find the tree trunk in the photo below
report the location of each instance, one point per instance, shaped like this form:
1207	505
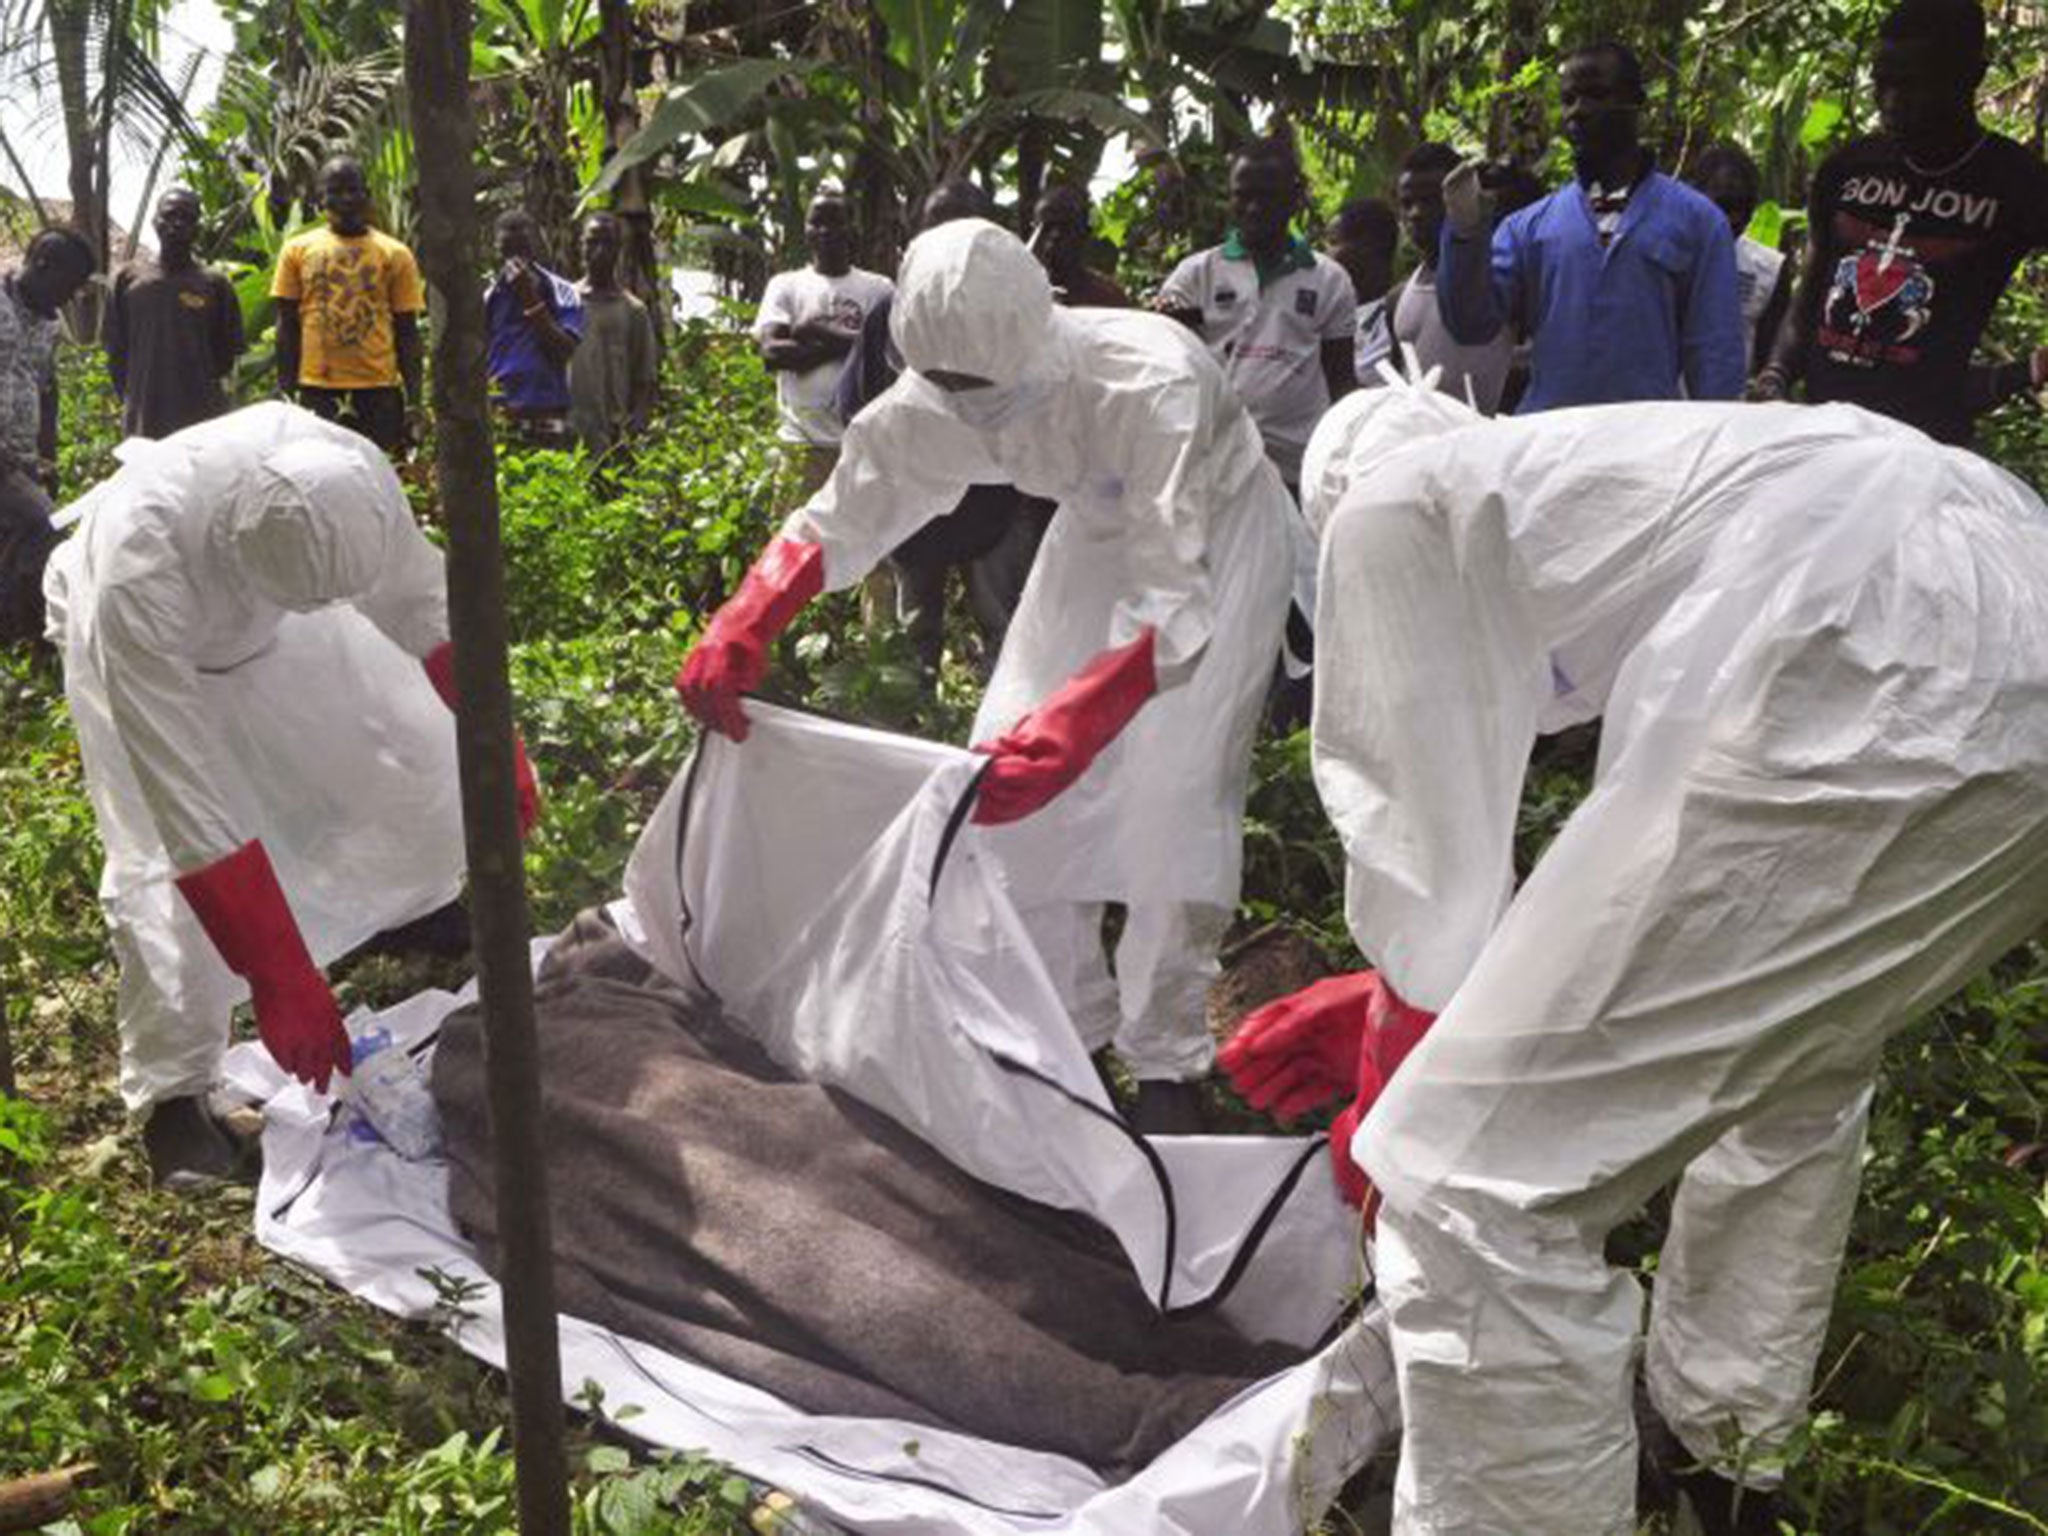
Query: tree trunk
621	107
550	182
437	45
70	44
8	1086
1516	131
1669	129
284	186
875	200
114	41
28	186
142	204
1031	157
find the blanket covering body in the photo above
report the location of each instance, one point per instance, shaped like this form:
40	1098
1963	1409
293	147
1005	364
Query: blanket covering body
824	884
707	1201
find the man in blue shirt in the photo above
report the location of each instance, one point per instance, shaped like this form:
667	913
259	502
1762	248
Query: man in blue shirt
1623	280
534	319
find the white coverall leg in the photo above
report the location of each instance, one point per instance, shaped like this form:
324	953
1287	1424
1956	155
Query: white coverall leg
1698	978
173	1008
1153	1010
1746	1277
1820	646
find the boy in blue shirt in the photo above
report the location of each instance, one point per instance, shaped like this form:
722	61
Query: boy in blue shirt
533	318
1623	280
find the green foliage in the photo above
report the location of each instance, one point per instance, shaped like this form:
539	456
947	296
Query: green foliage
1293	864
222	1392
1935	1380
666	528
52	944
252	1405
251	272
85	456
2016	434
274	128
600	719
675	1495
707	101
1789	82
954	85
51	941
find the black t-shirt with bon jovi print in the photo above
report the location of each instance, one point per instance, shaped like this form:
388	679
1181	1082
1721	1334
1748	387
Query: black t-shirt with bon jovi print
1914	262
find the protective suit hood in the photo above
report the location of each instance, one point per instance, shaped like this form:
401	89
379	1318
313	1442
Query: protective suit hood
1361	430
315	529
971	299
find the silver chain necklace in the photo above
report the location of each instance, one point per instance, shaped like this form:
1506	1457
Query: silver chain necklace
1942	170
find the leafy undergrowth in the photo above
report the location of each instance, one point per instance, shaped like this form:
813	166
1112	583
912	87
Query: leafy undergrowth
216	1389
219	1390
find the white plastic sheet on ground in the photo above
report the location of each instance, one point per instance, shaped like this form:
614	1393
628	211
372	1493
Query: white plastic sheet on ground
824	879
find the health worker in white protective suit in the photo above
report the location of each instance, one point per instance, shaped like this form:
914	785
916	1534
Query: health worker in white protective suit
254	634
1819	642
1166	571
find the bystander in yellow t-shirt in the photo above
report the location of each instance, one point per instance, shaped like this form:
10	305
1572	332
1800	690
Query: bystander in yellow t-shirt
348	288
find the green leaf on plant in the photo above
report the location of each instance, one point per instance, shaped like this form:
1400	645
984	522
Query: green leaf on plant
605	1459
1822	119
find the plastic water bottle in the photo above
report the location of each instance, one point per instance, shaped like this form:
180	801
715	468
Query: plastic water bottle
392	1102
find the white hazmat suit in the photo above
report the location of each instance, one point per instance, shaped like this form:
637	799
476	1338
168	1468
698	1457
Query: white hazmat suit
1170	516
242	612
1820	644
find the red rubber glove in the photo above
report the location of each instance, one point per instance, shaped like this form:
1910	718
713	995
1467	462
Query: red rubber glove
440	665
1392	1030
1352	1184
1053	745
1301	1051
243	910
731	657
1347	1034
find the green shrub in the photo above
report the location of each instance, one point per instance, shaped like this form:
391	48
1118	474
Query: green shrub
221	1392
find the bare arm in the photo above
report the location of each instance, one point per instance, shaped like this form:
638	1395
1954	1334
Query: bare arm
114	336
785	351
1772	320
1478	288
288	348
229	341
1794	340
1793	345
644	378
1175	309
46	436
557	343
1179	297
1992	384
405	331
1338	371
833	339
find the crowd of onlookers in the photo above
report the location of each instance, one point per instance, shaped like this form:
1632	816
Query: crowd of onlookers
567	361
1625	283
